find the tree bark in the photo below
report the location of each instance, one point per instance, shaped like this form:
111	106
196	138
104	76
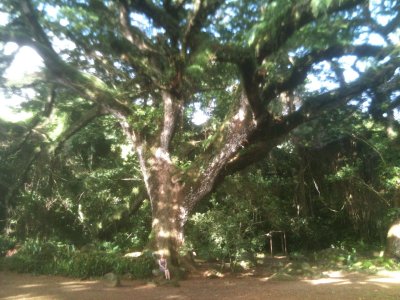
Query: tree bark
393	236
167	227
169	214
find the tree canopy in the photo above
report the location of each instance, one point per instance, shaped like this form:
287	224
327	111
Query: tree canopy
258	70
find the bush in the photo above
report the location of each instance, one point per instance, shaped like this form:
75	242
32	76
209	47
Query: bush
353	259
54	258
6	244
98	263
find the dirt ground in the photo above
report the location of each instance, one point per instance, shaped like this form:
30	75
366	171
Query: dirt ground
384	285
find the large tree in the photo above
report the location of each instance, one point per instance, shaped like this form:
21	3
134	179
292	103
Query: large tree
151	64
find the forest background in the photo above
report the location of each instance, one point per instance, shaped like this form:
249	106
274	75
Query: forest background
299	130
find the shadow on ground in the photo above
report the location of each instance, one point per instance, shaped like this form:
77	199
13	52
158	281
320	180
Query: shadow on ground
335	285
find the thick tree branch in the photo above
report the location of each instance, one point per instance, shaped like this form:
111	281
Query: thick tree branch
388	28
251	84
31	18
230	53
132	34
385	92
296	17
260	135
88	86
172	109
157	14
232	137
395	103
249	156
34	124
85	119
92	89
251	76
266	136
313	106
202	10
393	24
244	59
302	66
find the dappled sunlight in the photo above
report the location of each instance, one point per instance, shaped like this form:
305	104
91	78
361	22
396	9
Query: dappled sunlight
264	279
334	274
70	283
20	296
384	276
162	154
28	286
394	231
73	286
394	274
341	284
76	288
346	282
133	254
382	279
145	287
331	277
164	233
334	277
49	289
327	281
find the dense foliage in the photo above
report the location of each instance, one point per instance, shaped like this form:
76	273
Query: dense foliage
56	258
299	133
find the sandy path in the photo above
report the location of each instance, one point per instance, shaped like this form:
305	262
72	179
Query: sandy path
386	286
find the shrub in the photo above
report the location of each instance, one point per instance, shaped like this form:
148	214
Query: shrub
6	244
55	258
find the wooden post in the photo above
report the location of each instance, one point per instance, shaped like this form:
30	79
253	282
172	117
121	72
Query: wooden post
284	236
283	241
270	244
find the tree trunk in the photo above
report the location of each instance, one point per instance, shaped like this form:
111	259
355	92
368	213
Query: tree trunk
393	241
393	236
168	208
167	228
302	203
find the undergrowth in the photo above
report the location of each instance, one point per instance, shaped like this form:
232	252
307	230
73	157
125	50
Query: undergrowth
55	258
338	259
